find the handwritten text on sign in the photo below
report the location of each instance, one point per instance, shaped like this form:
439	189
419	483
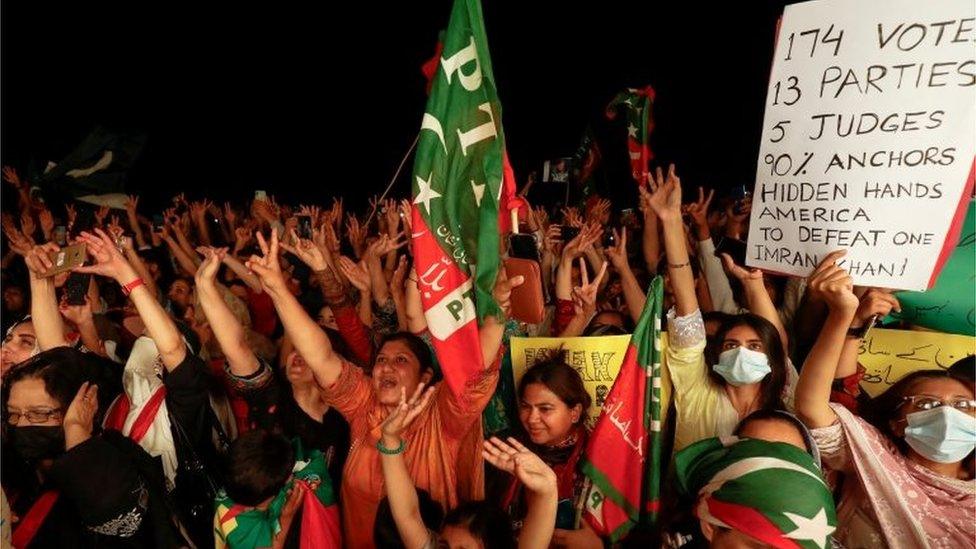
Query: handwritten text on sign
888	355
868	137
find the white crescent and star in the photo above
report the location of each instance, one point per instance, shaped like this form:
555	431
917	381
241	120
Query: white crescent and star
424	193
815	529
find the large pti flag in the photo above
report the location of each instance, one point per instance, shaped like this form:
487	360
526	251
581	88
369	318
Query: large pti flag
460	178
640	123
623	455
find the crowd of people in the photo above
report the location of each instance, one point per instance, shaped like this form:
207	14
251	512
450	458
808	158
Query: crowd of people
261	375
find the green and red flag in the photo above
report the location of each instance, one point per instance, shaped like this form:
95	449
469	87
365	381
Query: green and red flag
770	491
462	183
239	526
623	455
640	123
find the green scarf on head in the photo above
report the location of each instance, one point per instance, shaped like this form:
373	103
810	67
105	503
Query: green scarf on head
771	491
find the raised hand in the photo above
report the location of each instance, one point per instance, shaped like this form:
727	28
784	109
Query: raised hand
207	271
576	247
513	457
79	418
541	217
337	211
665	197
100	214
27	224
109	261
229	213
584	296
698	210
131	204
38	259
356	234
46	219
311	254
405	413
242	237
571	217
77	314
392	215
875	303
833	284
10	176
739	271
266	266
384	245
405	214
502	292
617	254
599	212
357	273
71	213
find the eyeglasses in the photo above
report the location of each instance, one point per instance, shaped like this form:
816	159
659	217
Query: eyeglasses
927	403
33	415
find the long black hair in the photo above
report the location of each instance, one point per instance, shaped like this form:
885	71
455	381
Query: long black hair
771	387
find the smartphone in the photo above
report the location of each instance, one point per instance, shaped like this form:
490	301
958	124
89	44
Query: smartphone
67	258
158	223
85	221
735	248
76	288
260	195
61	235
528	305
304	227
523	246
565	515
568	233
608	240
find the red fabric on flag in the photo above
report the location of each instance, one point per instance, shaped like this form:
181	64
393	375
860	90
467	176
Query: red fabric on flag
441	282
751	523
320	524
952	236
429	68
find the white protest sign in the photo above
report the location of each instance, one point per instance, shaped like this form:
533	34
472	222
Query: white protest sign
868	139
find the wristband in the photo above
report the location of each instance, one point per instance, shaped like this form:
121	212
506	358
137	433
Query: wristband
398	450
127	288
678	265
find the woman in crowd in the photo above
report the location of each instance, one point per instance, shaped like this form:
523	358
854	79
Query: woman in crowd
401	363
80	488
19	344
756	493
745	370
293	406
475	524
552	406
908	463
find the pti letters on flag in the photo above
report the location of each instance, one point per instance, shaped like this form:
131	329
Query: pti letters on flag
623	454
459	179
640	123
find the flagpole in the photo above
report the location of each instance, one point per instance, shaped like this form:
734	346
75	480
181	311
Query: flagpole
393	180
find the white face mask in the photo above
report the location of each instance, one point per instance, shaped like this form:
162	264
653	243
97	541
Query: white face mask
943	434
741	366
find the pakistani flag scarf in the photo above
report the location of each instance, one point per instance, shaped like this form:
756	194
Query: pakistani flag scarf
770	491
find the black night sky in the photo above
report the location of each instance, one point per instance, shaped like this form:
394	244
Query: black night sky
317	99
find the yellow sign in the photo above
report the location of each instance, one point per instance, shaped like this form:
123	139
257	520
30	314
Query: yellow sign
597	359
888	355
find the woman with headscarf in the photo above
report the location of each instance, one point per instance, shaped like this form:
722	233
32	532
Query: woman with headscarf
907	464
756	493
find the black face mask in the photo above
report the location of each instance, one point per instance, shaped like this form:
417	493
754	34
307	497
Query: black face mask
35	442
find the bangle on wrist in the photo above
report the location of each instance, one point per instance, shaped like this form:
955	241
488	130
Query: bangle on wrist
127	288
391	452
